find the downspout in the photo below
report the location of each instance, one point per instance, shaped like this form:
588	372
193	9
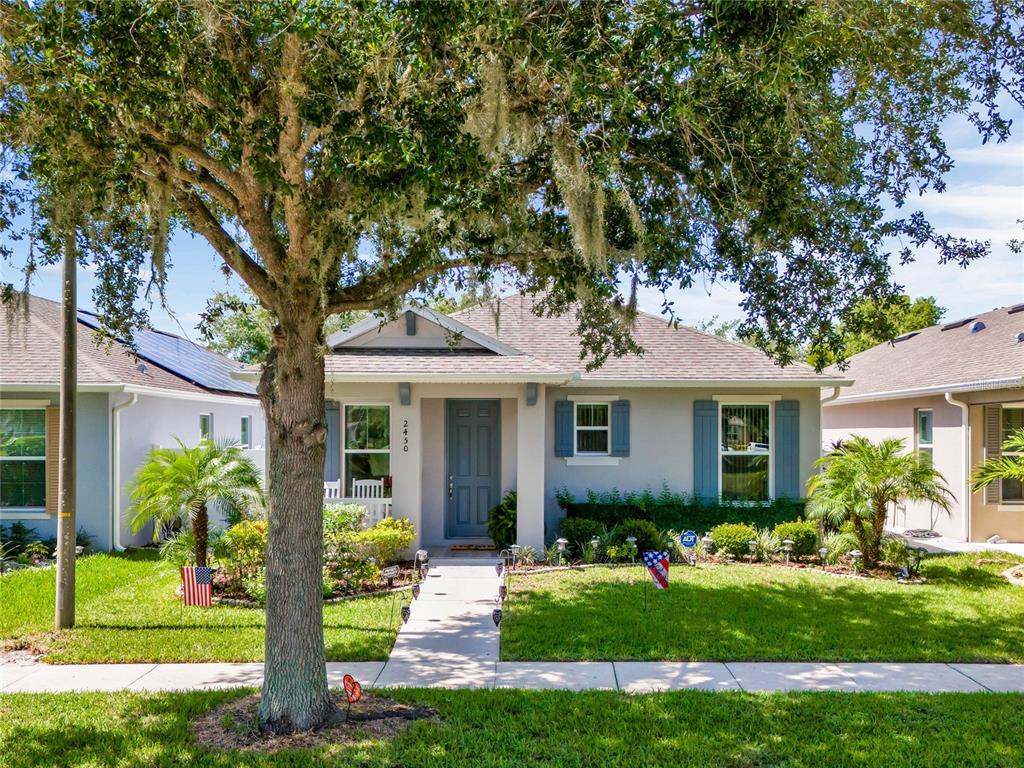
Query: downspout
115	469
965	503
833	396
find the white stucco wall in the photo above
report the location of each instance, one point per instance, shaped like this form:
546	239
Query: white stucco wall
155	421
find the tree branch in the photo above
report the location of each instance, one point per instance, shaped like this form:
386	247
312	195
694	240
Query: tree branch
202	218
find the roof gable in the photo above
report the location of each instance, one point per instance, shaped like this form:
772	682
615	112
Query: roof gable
449	333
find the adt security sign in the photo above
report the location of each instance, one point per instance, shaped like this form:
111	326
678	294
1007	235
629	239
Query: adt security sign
688	539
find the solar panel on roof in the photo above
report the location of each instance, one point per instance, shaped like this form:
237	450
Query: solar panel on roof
1015	309
184	358
958	323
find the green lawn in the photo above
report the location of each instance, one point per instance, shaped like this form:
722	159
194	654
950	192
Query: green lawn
127	611
551	728
737	612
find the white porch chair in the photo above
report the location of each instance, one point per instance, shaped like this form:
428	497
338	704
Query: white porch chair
332	489
370	493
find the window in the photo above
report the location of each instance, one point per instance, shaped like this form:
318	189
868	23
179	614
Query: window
22	458
1012	420
246	432
368	445
745	435
206	426
593	430
923	435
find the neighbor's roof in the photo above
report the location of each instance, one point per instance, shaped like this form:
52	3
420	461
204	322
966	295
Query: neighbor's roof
672	354
30	356
983	351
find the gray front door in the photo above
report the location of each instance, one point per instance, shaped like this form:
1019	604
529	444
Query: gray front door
474	466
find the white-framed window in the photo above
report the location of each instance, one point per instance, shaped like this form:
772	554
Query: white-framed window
1012	419
23	459
745	451
246	432
367	446
206	426
924	420
592	429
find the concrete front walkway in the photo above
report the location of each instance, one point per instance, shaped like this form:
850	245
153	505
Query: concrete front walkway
451	642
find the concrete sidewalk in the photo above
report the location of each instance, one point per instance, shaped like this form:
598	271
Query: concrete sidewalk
626	676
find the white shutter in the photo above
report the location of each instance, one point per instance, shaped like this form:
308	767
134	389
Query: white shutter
993	445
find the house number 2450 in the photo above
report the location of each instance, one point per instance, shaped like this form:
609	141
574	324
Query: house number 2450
405	435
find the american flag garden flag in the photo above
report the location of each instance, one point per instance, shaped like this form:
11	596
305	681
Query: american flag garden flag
657	564
197	585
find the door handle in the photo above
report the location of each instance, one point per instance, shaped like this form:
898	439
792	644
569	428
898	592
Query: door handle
451	487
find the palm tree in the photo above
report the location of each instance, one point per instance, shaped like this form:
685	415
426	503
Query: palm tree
179	484
860	480
1002	467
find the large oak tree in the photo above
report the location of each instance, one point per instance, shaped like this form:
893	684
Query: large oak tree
340	155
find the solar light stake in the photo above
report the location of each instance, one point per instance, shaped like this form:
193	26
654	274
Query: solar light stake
855	555
415	591
496	616
752	546
787	547
502	592
406	613
823	553
709	545
561	548
631	540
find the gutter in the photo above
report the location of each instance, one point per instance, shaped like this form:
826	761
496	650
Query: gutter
833	396
115	469
965	502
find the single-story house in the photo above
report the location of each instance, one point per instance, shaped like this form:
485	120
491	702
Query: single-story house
440	415
127	405
955	391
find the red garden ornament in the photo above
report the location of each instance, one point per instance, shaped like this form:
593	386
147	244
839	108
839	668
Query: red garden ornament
353	690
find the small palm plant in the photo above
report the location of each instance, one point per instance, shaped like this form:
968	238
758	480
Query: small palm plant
1004	467
179	484
860	481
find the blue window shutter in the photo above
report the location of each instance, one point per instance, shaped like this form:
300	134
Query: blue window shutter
620	427
332	456
787	449
705	449
564	423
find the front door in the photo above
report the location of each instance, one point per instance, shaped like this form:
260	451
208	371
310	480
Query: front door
474	466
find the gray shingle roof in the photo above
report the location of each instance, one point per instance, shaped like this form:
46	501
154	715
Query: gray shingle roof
408	364
30	354
949	355
670	353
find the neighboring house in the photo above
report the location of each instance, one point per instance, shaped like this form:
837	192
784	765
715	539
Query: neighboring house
443	414
126	406
955	391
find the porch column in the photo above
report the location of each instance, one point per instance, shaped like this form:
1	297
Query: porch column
406	444
531	450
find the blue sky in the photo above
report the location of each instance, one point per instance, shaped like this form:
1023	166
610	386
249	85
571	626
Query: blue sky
984	199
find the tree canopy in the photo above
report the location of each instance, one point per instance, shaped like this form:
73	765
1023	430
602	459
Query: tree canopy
340	155
367	150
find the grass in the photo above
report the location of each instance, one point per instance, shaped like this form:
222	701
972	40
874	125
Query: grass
127	611
965	612
550	728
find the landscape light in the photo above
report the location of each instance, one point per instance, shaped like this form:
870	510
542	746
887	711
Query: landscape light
787	547
561	548
855	555
415	591
752	546
496	616
406	613
823	553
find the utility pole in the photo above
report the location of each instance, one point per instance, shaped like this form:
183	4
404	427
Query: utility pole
64	617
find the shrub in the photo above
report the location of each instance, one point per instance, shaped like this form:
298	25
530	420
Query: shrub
255	586
16	537
732	538
339	518
243	547
803	534
669	509
527	555
501	525
767	546
579	531
84	539
648	537
387	540
551	554
838	545
618	553
894	550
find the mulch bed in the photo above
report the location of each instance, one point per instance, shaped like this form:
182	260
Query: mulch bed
233	726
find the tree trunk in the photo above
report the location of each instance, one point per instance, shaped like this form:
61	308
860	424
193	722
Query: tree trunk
201	534
295	694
